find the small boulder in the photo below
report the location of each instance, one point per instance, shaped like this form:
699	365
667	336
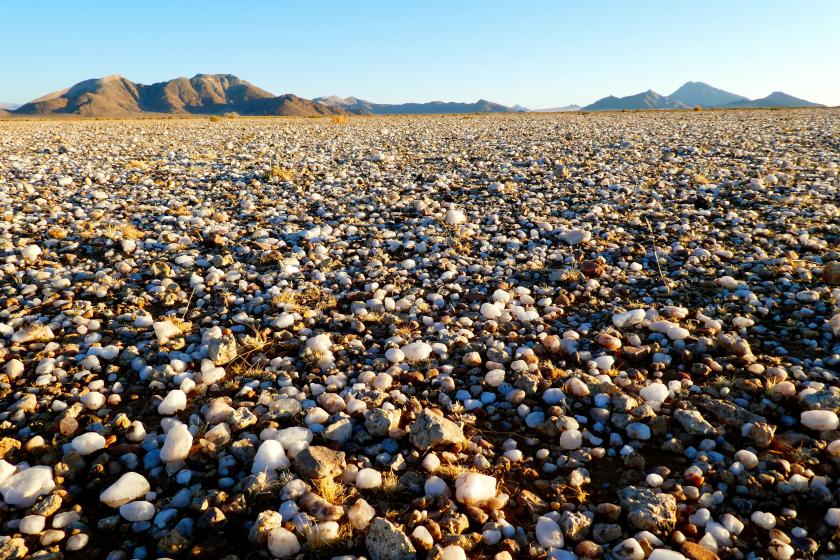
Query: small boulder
385	541
316	461
431	430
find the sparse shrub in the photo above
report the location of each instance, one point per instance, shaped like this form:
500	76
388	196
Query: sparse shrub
215	118
279	174
339	119
698	109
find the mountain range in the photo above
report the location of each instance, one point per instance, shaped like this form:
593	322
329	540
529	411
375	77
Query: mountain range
217	94
201	94
695	94
362	107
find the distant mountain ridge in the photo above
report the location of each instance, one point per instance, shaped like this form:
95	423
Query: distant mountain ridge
646	100
210	94
775	99
695	94
216	94
363	107
698	94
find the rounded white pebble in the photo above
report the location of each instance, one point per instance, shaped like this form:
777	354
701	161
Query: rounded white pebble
571	439
270	457
763	519
820	420
128	487
548	533
452	552
32	524
176	446
368	478
175	401
282	543
88	443
137	511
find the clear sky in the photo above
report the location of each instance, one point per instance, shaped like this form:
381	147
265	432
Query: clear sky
536	53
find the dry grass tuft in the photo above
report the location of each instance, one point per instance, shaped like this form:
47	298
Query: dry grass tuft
340	119
123	231
451	472
311	297
215	118
390	484
331	490
257	340
319	547
279	174
375	317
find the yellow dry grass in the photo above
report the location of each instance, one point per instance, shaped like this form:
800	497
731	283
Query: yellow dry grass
279	174
331	490
311	297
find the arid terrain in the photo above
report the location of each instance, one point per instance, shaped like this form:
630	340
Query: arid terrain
501	336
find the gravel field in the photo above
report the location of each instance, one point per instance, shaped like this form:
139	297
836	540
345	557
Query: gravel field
536	336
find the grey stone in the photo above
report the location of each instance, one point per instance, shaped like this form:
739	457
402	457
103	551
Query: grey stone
222	350
575	525
648	510
339	431
380	421
265	523
694	423
431	430
385	541
316	461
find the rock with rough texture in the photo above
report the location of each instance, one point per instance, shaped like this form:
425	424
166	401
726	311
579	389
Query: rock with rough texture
647	510
316	461
222	350
385	541
13	548
431	430
694	423
266	522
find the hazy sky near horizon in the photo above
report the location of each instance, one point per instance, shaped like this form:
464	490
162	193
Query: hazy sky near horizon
536	53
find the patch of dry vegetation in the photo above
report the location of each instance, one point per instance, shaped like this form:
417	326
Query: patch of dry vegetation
311	297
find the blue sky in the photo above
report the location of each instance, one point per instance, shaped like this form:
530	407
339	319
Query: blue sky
536	53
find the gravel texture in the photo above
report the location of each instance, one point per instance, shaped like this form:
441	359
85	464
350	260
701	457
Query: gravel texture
508	336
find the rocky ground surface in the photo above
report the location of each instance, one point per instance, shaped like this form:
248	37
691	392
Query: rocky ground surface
511	336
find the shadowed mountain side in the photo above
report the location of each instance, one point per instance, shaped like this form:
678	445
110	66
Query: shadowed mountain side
363	107
201	94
